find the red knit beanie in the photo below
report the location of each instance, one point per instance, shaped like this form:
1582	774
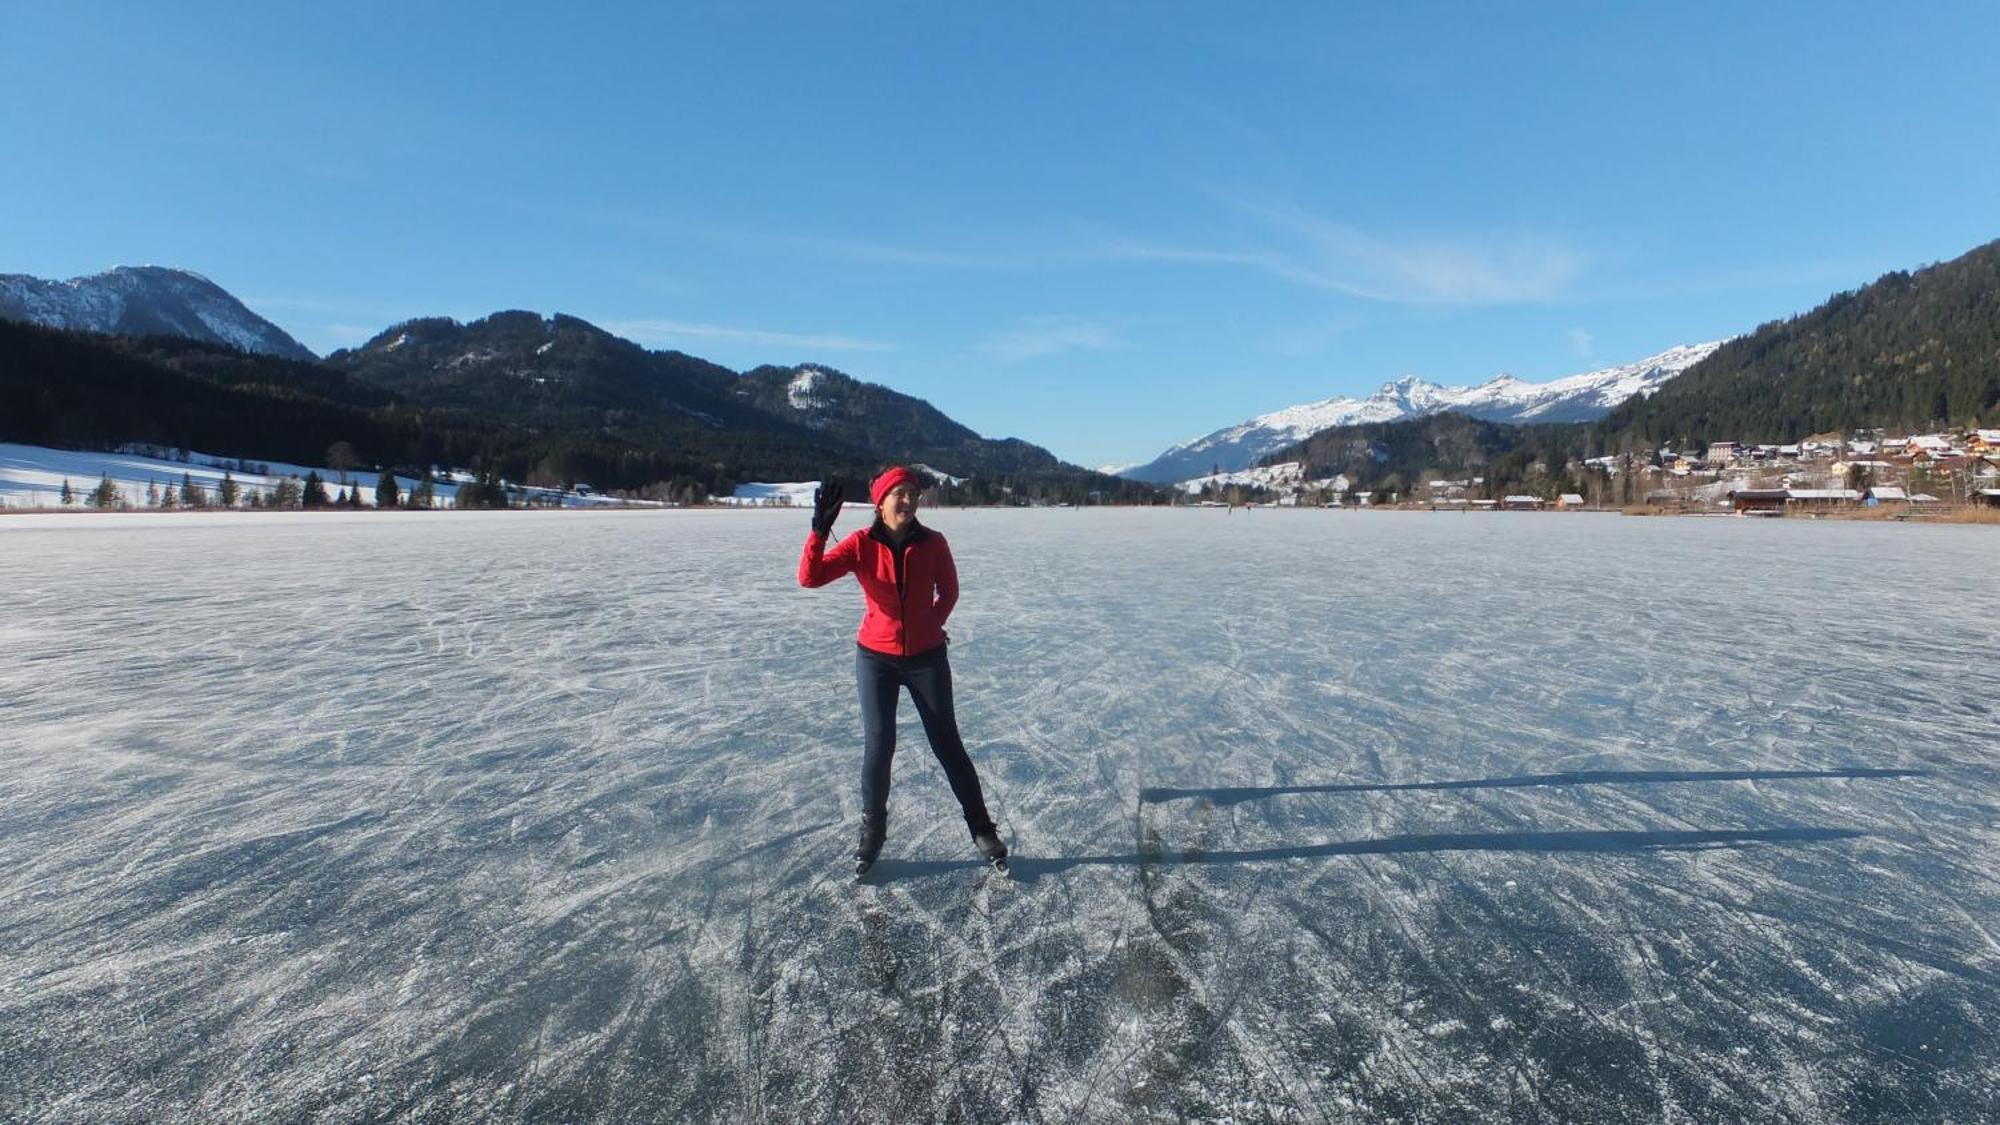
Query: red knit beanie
890	478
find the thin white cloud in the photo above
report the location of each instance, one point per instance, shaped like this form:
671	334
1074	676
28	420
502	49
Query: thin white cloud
1296	246
679	331
1044	336
1491	269
1583	342
1324	254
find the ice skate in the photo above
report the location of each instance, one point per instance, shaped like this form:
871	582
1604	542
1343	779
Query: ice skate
992	847
869	846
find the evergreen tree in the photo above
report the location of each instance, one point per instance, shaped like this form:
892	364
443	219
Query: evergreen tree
387	495
424	495
354	497
288	494
105	496
313	495
486	492
227	492
192	494
152	494
170	498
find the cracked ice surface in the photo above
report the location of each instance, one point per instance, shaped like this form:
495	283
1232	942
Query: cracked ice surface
1318	816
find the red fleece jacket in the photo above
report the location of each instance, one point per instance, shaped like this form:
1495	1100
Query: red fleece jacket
910	589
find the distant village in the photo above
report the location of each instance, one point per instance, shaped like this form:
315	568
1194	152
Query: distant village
1917	472
1866	473
1871	470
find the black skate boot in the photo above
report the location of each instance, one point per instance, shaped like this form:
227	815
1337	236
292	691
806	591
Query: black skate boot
986	838
873	828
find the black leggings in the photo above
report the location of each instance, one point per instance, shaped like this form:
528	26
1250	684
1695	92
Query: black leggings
928	676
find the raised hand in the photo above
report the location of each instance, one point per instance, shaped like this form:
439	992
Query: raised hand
826	506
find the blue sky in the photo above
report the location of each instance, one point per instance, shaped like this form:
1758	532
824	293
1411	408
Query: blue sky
1105	228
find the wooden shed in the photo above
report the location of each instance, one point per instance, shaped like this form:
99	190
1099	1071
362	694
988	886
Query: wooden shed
1823	497
1769	501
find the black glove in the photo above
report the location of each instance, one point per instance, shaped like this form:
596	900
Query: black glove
826	506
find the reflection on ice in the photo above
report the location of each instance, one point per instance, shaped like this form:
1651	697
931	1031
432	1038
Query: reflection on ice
1316	816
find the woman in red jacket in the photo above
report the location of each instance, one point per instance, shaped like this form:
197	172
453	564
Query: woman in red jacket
910	583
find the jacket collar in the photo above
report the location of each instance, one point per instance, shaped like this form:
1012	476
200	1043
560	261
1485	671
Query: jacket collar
880	533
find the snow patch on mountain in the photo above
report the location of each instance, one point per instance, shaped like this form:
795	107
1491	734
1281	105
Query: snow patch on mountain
938	476
1287	476
1575	398
804	390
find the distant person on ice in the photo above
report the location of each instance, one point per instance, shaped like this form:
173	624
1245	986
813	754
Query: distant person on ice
911	584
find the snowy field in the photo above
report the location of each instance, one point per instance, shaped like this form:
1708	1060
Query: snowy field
32	477
1318	816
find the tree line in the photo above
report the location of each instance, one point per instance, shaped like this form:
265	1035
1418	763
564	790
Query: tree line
1909	353
310	492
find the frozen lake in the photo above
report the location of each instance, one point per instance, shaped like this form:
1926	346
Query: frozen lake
1317	816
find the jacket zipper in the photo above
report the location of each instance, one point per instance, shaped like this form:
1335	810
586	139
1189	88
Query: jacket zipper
899	553
902	600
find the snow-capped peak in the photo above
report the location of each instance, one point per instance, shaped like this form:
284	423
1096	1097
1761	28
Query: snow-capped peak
1503	398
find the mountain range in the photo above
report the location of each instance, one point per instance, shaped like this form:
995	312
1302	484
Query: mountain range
146	301
592	405
560	374
1575	398
529	396
543	400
